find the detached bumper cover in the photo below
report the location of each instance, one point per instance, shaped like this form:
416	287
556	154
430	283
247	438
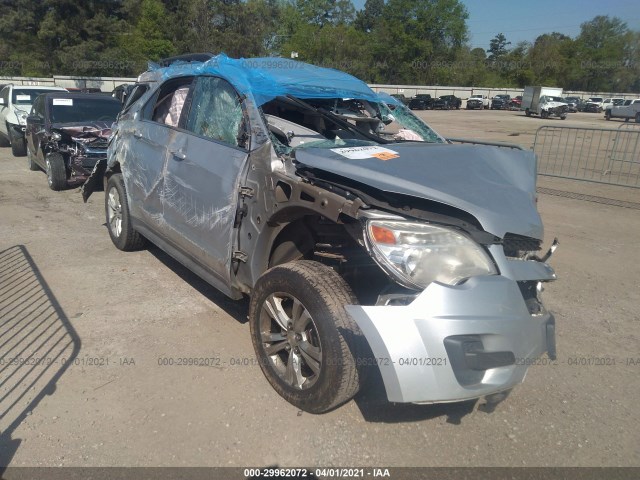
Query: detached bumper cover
438	348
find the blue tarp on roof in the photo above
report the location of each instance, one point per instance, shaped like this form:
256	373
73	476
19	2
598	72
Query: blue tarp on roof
270	77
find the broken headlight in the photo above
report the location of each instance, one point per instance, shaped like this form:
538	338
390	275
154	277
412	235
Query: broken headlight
417	254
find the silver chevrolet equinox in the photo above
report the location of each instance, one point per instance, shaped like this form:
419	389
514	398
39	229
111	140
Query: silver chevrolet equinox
364	239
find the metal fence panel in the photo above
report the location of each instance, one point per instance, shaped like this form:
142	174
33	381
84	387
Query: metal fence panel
592	154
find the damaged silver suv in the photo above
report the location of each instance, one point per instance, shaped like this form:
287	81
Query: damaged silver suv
364	238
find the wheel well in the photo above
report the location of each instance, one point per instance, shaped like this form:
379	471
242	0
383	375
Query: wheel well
337	245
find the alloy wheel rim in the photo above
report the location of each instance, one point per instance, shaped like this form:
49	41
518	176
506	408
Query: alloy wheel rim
290	339
114	211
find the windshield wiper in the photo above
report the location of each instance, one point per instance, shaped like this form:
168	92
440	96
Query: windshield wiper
338	120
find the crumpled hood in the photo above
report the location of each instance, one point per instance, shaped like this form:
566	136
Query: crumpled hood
496	185
88	133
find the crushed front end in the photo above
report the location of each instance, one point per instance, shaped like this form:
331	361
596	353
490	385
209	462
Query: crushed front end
82	147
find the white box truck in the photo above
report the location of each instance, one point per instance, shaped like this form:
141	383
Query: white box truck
544	101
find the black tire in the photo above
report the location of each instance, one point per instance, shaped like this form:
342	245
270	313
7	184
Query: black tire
122	233
607	114
544	114
332	374
637	117
56	172
33	166
527	112
18	145
563	117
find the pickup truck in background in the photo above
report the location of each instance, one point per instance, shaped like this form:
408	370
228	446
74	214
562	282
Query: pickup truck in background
478	101
630	109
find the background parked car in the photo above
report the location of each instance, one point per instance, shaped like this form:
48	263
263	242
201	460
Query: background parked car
477	102
452	101
516	102
422	101
15	105
67	133
594	105
500	102
401	98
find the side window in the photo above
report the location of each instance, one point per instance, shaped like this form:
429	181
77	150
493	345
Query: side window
136	92
38	107
166	107
216	112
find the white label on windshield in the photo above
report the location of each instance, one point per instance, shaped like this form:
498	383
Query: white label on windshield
63	101
360	153
23	98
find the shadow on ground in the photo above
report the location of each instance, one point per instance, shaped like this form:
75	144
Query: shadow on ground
37	344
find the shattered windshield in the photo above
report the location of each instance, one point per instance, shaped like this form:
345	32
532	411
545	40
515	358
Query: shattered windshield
78	110
340	122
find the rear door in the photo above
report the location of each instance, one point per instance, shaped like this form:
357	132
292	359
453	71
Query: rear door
203	174
142	146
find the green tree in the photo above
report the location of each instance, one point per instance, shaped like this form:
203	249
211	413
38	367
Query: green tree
149	38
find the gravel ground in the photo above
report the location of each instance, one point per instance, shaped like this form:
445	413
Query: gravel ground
121	317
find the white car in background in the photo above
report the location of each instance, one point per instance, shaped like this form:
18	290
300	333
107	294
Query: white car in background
15	105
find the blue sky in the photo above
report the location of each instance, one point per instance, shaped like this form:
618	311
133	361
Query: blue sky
525	20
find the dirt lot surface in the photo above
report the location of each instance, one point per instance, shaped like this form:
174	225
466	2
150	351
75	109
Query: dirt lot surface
123	317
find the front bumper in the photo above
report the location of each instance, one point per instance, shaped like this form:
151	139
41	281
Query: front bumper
437	349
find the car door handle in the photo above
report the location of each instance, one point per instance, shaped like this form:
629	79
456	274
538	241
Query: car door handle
178	154
137	135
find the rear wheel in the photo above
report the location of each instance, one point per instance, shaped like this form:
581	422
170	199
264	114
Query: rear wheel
527	112
307	345
637	117
121	231
56	172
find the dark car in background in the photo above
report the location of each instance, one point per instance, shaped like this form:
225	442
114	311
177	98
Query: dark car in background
573	103
500	102
67	133
422	101
450	102
401	98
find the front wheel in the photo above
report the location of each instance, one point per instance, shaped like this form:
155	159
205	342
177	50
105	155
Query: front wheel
56	172
18	145
121	231
527	112
637	117
544	114
307	344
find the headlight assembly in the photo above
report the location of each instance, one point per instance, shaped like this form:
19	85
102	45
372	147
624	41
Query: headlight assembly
22	117
417	254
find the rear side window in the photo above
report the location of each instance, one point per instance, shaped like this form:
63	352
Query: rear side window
167	105
216	112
